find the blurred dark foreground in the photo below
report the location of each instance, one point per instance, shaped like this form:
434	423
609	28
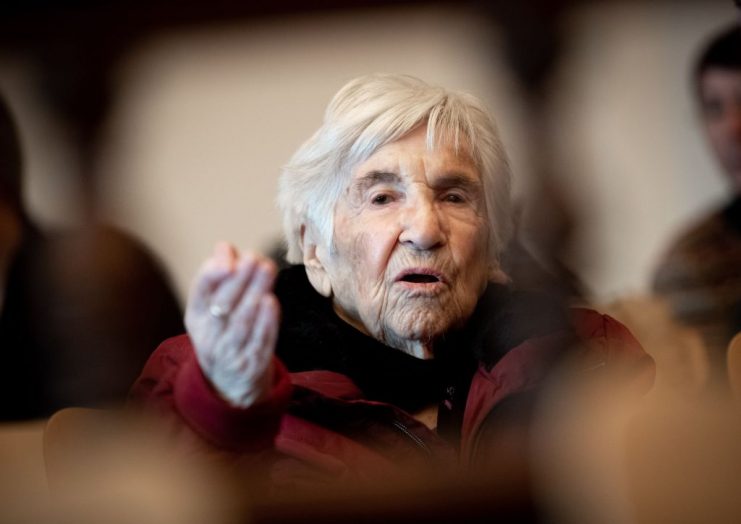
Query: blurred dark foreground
597	451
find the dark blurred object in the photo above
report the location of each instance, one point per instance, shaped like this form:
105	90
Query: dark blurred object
700	275
81	311
533	39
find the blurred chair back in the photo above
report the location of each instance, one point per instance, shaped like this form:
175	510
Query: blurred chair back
67	432
23	489
733	359
682	363
119	466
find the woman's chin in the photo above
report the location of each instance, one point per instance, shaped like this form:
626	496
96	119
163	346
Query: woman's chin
418	332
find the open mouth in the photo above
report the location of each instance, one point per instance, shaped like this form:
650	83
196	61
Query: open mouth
419	278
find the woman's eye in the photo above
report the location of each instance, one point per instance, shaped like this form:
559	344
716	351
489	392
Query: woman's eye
455	198
381	199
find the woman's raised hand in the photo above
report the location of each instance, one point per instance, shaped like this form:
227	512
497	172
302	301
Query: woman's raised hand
232	317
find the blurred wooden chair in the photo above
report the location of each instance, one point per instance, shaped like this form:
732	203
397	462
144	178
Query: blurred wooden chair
68	434
604	455
106	465
682	362
733	361
23	489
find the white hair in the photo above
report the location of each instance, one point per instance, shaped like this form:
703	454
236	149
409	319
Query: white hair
370	112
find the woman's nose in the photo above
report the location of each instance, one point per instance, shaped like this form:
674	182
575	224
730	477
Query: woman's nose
421	227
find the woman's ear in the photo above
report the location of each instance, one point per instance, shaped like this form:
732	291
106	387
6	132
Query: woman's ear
313	262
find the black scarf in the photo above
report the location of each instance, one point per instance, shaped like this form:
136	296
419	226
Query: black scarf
313	337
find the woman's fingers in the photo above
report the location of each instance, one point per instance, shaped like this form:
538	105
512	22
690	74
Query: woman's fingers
203	328
242	373
267	326
218	267
231	290
258	352
246	309
238	325
258	348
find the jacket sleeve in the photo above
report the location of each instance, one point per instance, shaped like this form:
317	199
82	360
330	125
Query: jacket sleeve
173	385
603	343
611	343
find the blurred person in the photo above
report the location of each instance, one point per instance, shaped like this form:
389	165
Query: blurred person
80	310
700	275
395	340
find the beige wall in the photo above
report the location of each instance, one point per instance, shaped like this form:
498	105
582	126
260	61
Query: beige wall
206	118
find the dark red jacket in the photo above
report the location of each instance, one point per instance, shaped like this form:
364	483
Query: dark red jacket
318	423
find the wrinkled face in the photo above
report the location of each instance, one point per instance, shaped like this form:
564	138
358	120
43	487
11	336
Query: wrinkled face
721	105
409	259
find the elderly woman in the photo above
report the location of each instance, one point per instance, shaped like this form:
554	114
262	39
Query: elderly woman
394	339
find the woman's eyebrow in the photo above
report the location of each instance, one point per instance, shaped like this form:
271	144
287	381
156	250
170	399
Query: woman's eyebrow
460	180
374	177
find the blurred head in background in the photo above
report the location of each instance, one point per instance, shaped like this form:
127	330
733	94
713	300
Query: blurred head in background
11	197
10	158
718	82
